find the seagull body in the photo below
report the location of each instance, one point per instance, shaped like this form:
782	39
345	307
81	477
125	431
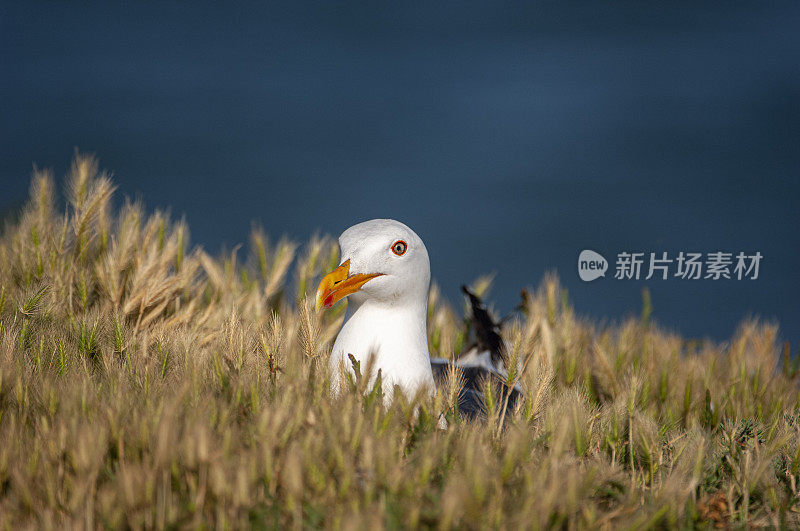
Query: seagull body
396	341
385	273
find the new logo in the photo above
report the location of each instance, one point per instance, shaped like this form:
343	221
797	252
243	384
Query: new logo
591	265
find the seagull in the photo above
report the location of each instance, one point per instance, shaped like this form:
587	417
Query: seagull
385	275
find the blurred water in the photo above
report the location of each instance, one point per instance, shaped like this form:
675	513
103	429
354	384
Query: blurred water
509	137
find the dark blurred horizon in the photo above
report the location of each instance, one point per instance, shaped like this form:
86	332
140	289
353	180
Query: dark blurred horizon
509	137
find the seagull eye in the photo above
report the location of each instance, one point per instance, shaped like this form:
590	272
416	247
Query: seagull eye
399	247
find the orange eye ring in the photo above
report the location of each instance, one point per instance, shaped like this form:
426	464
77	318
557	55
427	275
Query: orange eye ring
399	247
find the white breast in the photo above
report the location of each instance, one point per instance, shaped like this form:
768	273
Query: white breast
395	336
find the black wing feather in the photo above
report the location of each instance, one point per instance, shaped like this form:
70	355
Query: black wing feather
487	330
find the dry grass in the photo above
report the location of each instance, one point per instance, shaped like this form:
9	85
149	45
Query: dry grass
144	383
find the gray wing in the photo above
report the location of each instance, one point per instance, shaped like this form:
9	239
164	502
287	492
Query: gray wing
471	401
484	360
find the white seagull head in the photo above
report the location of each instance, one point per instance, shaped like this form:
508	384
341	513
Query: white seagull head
383	262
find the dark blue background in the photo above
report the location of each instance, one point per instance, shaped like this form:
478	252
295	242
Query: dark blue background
510	137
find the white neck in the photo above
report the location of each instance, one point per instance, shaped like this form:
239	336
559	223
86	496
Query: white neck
395	334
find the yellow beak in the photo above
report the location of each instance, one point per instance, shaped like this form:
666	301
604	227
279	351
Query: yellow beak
338	284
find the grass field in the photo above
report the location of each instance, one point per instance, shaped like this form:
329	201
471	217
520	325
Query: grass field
146	383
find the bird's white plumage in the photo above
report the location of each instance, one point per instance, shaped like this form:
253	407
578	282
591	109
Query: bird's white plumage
386	318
